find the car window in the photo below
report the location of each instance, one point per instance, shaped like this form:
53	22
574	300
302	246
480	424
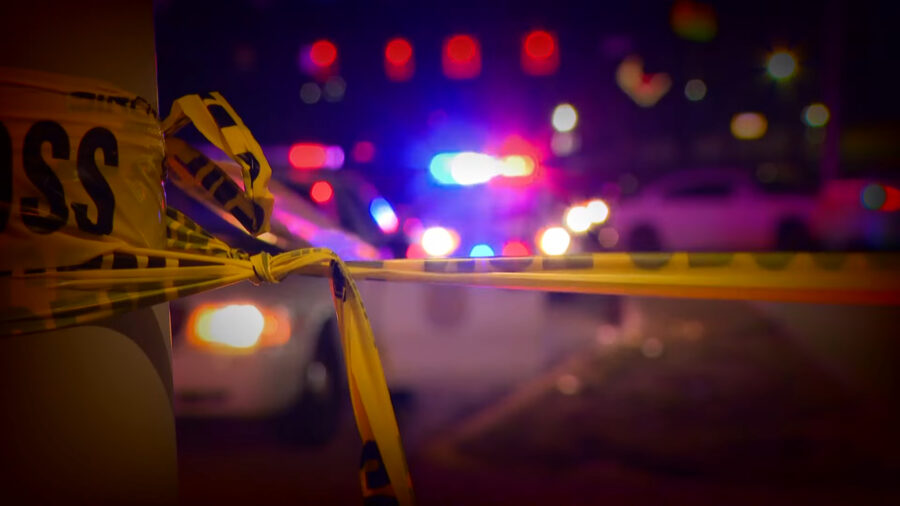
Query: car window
702	190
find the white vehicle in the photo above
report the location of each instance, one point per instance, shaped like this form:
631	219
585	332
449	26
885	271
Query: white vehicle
711	210
269	351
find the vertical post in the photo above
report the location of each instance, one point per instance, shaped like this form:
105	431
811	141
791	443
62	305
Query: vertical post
86	412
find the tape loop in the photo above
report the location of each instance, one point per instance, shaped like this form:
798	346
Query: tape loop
262	270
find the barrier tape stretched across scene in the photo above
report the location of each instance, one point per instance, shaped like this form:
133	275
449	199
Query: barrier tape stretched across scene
842	278
59	269
86	234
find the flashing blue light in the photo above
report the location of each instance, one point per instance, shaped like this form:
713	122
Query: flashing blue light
384	215
440	168
481	250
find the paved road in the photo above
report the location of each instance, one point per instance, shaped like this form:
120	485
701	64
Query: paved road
684	402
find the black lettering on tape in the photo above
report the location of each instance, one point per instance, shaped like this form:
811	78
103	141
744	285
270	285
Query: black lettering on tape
339	286
43	178
251	162
372	467
93	181
221	116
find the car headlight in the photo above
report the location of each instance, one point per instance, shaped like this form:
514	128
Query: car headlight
237	326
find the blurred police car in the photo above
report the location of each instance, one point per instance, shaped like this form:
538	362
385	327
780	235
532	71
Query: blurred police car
268	351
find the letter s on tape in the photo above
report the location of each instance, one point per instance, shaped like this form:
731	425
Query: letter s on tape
80	170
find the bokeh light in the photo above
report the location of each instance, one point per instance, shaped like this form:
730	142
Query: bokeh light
695	90
781	64
555	241
461	57
439	167
235	325
310	93
307	156
597	211
481	250
461	48
539	45
415	250
323	53
363	152
608	237
694	20
563	143
469	168
748	125
384	215
321	192
816	115
873	196
334	157
398	60
578	219
334	88
438	241
564	118
517	166
515	248
398	51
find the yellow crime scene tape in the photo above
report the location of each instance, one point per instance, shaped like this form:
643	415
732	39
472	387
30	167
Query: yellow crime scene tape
59	268
81	197
842	278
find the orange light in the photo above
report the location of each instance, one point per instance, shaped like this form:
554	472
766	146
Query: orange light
461	57
748	125
238	327
644	88
515	248
321	192
323	53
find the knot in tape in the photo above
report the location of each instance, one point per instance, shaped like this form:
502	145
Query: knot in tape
262	269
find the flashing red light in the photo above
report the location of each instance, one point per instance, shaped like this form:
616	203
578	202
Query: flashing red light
461	48
398	59
323	53
321	192
461	57
539	45
540	55
398	51
515	249
308	156
363	152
